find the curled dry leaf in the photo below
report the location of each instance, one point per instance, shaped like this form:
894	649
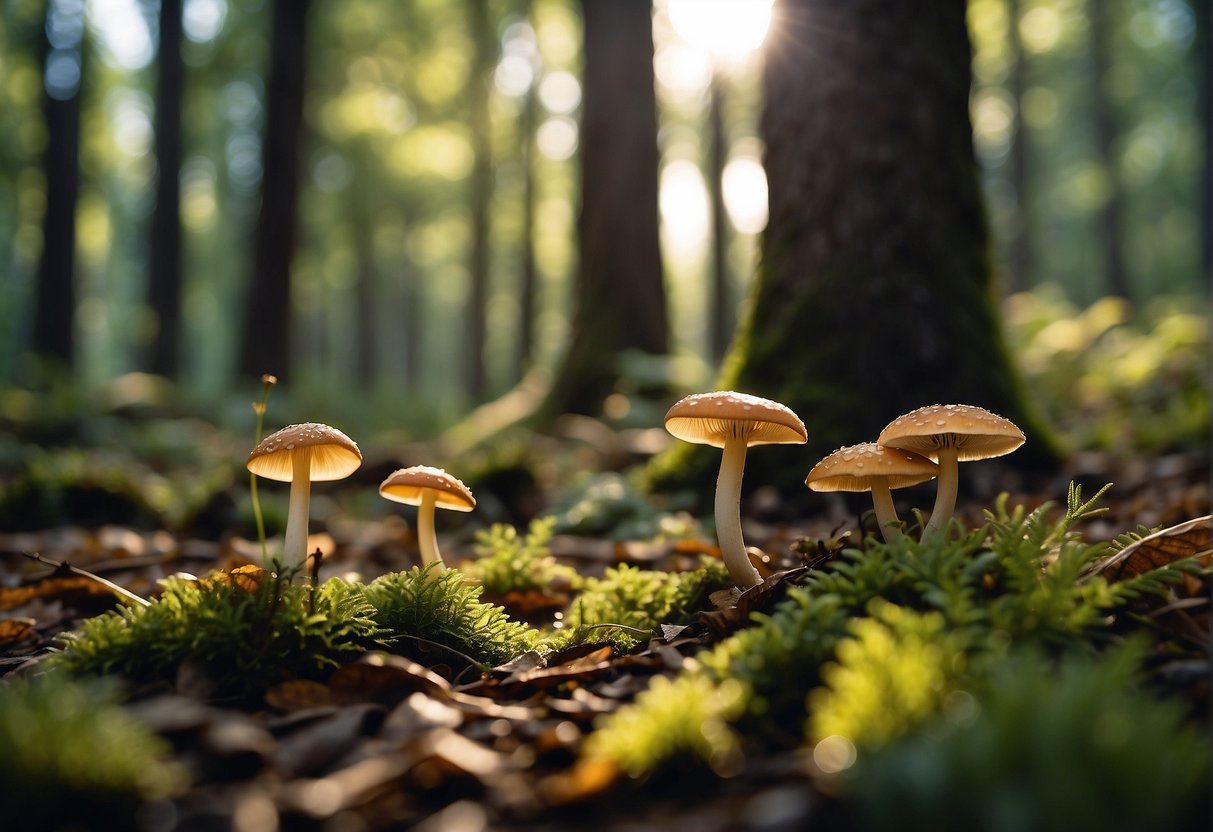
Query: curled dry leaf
15	630
1187	540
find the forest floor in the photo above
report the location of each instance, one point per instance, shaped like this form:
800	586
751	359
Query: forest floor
402	746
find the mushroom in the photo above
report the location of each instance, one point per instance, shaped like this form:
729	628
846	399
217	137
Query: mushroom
299	454
949	433
875	468
428	488
733	422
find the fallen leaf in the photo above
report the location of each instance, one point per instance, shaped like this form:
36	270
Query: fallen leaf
15	630
1187	540
62	588
298	695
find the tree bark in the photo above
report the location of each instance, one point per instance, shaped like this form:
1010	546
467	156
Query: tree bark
266	343
721	310
619	296
528	278
872	298
164	258
1203	49
55	293
1019	259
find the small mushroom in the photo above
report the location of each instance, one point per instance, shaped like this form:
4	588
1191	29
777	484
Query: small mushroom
950	433
733	422
301	454
875	468
428	488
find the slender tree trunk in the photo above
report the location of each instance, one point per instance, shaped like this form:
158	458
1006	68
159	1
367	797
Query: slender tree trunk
164	268
721	312
266	346
1019	259
481	196
63	73
619	296
1106	132
528	279
1204	83
873	297
366	345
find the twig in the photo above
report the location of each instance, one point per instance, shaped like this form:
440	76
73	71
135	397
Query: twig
60	565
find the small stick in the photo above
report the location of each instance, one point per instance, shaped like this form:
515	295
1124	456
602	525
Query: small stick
61	565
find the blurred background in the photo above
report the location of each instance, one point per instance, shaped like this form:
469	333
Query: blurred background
377	201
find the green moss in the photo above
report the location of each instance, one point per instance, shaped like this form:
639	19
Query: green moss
508	562
70	757
440	607
245	631
627	605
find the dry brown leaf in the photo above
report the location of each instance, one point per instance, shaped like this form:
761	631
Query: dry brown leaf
1187	540
70	586
15	630
298	695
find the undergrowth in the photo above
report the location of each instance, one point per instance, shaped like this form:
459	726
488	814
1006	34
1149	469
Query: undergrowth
883	640
61	737
627	604
439	607
243	630
509	562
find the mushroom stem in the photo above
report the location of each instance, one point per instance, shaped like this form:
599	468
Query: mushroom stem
728	514
945	492
427	538
294	547
886	513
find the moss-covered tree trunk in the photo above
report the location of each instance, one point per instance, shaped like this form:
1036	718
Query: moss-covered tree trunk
872	297
619	297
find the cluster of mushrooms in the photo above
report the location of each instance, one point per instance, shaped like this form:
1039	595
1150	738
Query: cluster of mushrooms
922	445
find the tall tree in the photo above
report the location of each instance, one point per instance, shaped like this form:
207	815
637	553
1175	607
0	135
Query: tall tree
266	342
528	277
164	258
1203	48
720	316
619	295
481	195
872	298
62	77
1019	265
1111	227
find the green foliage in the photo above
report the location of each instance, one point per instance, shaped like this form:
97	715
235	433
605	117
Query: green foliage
1108	379
895	669
509	562
889	630
243	634
440	607
70	757
1074	745
627	604
609	505
688	717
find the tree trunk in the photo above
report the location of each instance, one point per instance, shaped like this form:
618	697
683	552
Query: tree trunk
481	195
1203	49
528	279
873	294
164	258
366	345
63	72
1111	228
266	346
619	296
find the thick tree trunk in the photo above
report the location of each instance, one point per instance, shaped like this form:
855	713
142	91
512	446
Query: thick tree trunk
873	294
63	72
619	295
266	347
164	266
1019	254
481	196
528	278
721	309
1203	48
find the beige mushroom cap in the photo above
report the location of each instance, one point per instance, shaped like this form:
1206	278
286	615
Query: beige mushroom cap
406	485
854	467
976	433
711	418
334	455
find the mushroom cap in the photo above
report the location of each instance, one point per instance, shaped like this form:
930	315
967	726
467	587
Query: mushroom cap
711	418
976	433
408	486
334	455
854	467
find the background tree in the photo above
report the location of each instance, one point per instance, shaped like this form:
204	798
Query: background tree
619	297
873	294
62	76
164	247
266	343
484	57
